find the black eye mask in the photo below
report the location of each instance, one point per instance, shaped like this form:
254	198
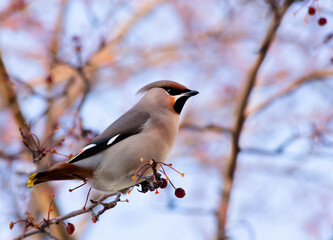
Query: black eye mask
175	92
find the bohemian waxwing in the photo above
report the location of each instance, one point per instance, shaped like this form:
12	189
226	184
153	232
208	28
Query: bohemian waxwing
148	130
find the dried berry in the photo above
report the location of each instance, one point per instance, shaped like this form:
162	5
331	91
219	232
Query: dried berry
312	11
164	183
78	48
76	38
49	80
70	228
322	21
180	193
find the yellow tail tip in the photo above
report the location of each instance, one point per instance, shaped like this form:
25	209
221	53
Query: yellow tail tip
31	180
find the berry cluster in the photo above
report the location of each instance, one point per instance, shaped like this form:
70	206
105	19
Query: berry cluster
77	43
156	181
312	12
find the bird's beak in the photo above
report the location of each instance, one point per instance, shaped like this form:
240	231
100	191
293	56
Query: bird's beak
191	93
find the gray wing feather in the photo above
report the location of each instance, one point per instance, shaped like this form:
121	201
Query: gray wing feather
127	125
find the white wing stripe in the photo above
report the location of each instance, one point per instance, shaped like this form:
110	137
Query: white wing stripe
112	139
88	146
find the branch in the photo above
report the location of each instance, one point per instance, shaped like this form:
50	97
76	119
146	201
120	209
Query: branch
84	68
296	156
208	127
14	7
241	117
9	96
147	8
54	43
86	90
316	75
58	220
10	157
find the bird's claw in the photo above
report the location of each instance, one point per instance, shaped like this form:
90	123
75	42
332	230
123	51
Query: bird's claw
151	183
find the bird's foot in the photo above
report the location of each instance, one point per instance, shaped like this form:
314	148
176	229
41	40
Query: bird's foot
151	183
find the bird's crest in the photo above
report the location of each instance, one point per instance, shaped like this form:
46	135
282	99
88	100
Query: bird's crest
162	84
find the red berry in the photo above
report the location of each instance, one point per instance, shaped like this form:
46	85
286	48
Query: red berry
70	228
312	11
322	21
164	183
49	80
78	48
180	193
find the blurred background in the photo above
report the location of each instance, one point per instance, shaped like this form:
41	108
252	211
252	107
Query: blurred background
255	145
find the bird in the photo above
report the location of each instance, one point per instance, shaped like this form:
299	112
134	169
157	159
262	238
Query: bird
146	131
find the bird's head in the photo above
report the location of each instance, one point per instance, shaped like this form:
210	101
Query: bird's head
167	94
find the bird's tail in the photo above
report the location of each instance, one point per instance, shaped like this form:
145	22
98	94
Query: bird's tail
61	171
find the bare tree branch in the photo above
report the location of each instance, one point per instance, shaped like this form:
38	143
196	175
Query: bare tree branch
240	118
58	220
86	90
313	76
54	44
145	9
10	98
274	152
15	6
208	127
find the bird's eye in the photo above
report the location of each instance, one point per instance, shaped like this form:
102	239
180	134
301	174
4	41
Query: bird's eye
172	91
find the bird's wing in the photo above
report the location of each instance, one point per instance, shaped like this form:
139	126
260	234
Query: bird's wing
127	125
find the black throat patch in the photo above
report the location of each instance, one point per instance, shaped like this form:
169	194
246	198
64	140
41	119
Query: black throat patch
179	104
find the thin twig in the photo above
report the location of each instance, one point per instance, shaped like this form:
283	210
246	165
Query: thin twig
57	220
208	127
148	7
7	156
86	90
9	96
142	12
313	76
275	153
54	43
